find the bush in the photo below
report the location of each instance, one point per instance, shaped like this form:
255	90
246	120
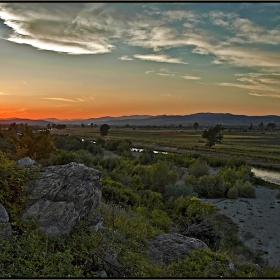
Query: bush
232	193
193	209
210	186
115	192
245	189
177	191
160	219
235	162
160	175
205	264
199	169
13	186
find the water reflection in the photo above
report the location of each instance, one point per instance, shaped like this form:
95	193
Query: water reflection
267	175
141	150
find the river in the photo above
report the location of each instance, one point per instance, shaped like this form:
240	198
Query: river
267	175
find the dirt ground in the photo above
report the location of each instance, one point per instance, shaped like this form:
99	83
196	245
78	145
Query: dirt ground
258	221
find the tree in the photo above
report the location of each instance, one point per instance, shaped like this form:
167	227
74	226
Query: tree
35	145
261	126
271	126
104	128
213	135
195	125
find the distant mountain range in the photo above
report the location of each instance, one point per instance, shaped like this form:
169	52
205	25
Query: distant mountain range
161	120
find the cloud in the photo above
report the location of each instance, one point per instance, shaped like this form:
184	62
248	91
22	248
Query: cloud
59	28
125	57
264	95
166	70
149	71
257	84
16	111
250	32
174	15
165	74
159	58
59	99
191	77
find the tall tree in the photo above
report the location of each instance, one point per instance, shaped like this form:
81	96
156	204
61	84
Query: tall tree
261	126
213	135
104	128
195	125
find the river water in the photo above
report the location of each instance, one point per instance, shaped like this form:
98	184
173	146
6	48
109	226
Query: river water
267	175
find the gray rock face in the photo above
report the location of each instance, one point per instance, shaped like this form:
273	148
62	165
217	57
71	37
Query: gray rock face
169	247
5	226
26	162
62	196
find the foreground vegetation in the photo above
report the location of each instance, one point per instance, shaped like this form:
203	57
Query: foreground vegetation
140	199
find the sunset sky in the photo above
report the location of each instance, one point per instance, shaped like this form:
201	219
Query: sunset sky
87	60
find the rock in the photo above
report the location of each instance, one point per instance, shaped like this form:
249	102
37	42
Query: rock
26	162
62	196
5	226
170	247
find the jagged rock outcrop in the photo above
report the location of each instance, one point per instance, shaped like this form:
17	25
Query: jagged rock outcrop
5	226
62	196
170	247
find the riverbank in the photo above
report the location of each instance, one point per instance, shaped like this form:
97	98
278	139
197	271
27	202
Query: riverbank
258	222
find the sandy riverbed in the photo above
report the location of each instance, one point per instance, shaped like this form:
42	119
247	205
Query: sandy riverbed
258	220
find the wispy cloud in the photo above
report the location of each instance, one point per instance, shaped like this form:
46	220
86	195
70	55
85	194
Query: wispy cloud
191	77
165	74
149	71
125	57
59	99
257	84
20	111
1	93
160	58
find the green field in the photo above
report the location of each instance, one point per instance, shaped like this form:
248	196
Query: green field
255	144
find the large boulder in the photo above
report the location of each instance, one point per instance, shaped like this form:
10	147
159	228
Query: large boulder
171	247
62	196
5	226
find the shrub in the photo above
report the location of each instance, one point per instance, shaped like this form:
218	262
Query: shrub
13	186
177	191
160	175
115	192
199	169
147	156
160	219
235	162
205	264
193	209
232	193
210	186
245	189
